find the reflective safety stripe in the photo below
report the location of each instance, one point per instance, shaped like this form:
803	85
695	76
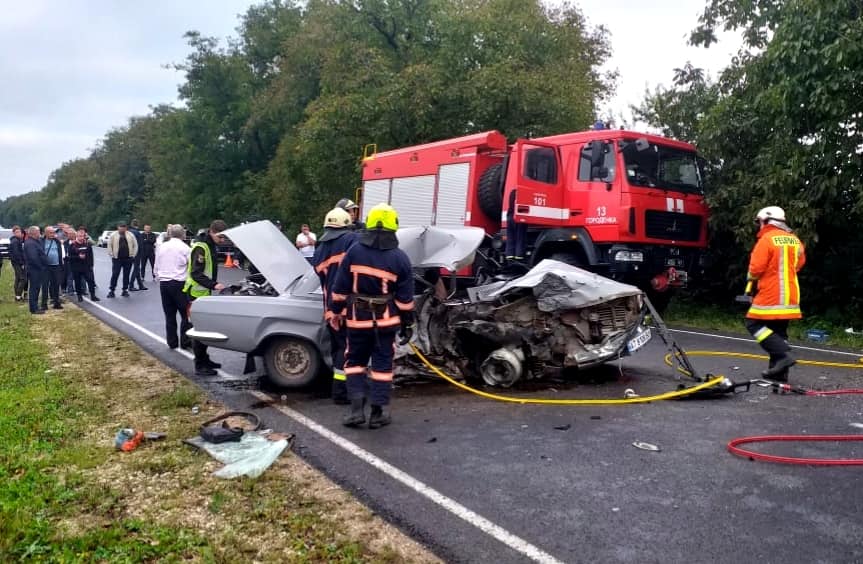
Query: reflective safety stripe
774	308
382	376
339	376
404	306
767	312
333	260
783	275
370	323
762	334
375	272
351	370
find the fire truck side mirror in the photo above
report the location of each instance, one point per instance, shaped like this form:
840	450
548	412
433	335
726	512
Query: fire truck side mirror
597	160
597	154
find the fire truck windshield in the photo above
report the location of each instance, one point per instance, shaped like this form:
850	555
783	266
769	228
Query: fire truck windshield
657	166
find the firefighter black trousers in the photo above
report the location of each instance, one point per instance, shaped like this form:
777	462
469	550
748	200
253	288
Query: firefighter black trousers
367	356
338	343
772	335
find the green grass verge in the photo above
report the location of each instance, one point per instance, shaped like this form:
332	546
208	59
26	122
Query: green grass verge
67	383
684	311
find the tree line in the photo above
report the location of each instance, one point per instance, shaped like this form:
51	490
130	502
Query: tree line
272	123
782	124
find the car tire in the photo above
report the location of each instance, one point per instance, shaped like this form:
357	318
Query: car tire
291	362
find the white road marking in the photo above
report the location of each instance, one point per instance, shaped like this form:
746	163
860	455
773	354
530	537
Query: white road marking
457	509
512	541
754	343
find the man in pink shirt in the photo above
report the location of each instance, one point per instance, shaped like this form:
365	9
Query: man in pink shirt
171	268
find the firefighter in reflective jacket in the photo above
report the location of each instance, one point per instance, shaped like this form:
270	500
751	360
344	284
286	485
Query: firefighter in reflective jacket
773	265
201	280
373	295
332	246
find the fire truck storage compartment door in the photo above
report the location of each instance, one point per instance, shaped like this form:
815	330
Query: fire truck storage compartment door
452	195
374	192
413	197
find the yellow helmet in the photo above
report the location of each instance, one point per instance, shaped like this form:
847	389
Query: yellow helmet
383	216
337	218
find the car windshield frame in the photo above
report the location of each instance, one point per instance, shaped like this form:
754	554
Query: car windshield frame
648	168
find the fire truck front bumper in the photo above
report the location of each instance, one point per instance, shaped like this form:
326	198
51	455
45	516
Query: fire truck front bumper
662	267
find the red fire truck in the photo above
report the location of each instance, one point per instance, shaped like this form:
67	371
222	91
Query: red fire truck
624	204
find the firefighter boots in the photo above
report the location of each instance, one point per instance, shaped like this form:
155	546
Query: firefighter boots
378	419
357	415
779	370
340	393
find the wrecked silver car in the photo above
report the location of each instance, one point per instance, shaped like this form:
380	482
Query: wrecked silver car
556	316
517	328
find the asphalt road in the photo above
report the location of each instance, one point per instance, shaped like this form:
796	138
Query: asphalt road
481	481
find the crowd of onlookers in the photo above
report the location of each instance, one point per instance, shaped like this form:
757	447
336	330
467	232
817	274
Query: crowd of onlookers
60	261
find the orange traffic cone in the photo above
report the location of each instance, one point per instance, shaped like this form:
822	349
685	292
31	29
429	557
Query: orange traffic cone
229	262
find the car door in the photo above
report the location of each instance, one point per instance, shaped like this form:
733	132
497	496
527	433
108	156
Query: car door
539	194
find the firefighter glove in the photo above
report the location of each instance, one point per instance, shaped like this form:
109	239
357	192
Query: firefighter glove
406	334
407	318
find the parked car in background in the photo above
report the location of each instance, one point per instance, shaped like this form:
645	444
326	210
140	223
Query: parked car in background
5	239
103	238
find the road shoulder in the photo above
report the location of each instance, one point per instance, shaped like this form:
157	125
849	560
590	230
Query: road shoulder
71	383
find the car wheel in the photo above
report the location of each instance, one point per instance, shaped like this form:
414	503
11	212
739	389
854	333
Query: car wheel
291	363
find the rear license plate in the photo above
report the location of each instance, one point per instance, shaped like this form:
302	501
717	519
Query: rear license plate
639	341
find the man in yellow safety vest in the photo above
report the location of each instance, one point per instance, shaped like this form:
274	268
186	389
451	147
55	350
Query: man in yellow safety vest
201	280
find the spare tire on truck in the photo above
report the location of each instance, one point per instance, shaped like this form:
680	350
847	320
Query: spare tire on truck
491	191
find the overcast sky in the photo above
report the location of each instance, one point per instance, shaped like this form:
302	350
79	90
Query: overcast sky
73	70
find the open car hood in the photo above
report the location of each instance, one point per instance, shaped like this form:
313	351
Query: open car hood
556	285
271	253
280	262
452	248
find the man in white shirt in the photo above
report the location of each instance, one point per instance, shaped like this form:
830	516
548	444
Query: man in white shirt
171	269
306	243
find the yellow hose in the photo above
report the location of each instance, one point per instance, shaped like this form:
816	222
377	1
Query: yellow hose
762	357
532	401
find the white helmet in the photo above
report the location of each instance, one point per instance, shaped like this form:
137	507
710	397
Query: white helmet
770	212
337	218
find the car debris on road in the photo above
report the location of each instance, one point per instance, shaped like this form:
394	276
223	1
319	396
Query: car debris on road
646	446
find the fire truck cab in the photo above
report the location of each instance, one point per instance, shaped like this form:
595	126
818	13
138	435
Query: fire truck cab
627	205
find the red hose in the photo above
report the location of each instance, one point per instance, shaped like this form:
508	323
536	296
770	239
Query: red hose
834	392
733	449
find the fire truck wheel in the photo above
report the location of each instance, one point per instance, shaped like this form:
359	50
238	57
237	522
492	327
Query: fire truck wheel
491	191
